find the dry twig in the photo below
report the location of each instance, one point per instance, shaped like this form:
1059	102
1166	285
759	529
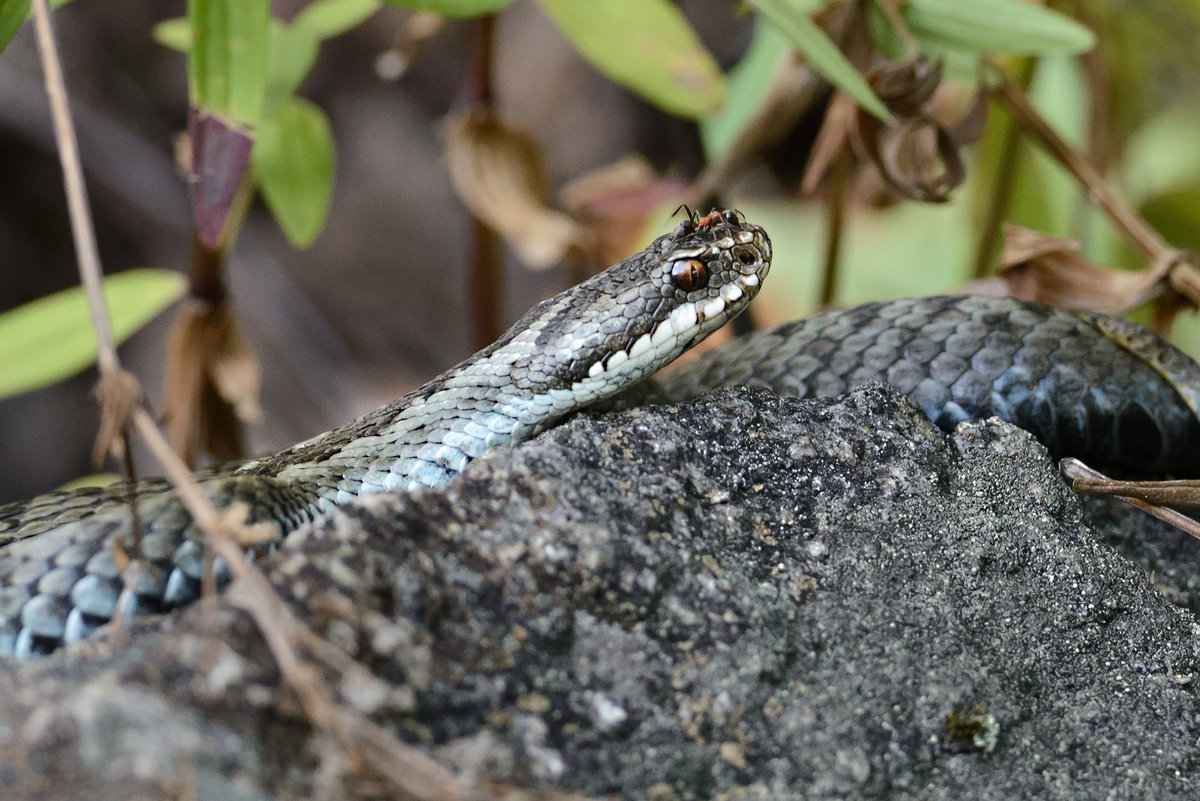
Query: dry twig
1168	268
1137	493
1135	229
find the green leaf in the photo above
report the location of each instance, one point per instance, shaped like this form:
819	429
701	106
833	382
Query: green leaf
227	64
12	14
452	8
324	19
173	33
986	26
293	52
821	52
748	84
646	46
51	338
293	158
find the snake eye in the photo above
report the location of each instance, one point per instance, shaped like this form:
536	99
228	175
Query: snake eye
689	274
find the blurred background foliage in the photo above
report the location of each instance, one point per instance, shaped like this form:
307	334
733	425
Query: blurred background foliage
852	130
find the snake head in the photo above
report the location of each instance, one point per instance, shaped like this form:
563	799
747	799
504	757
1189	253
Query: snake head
623	324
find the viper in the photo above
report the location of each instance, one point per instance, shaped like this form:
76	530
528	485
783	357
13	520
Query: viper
1089	386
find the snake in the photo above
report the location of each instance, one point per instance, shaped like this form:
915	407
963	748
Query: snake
1086	385
66	558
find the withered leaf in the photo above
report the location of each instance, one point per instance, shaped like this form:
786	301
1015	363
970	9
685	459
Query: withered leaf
211	384
1049	270
498	172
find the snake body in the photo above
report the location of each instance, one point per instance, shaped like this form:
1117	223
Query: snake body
61	554
1089	386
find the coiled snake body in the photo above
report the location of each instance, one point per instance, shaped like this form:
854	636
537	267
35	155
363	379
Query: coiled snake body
1089	386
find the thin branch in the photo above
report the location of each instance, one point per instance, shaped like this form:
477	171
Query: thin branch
82	230
1135	229
1085	479
408	768
485	268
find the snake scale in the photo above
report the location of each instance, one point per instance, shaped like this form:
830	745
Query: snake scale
1090	386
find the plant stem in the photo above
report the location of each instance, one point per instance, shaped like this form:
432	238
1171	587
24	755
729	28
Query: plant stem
1135	229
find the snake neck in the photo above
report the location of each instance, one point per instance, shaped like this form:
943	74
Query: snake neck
567	353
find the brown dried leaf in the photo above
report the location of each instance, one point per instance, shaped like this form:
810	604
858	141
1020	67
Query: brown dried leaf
237	375
498	172
628	176
1045	269
968	128
212	382
917	155
906	86
918	159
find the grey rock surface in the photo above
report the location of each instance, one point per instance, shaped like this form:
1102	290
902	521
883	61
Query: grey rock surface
738	597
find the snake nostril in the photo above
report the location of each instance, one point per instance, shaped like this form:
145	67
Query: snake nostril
745	255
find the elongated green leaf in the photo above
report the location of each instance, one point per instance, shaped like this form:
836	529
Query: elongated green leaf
821	52
293	158
227	64
748	84
324	19
646	46
12	14
452	8
51	338
985	26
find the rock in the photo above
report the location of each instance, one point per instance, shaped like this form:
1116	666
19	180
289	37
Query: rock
743	596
